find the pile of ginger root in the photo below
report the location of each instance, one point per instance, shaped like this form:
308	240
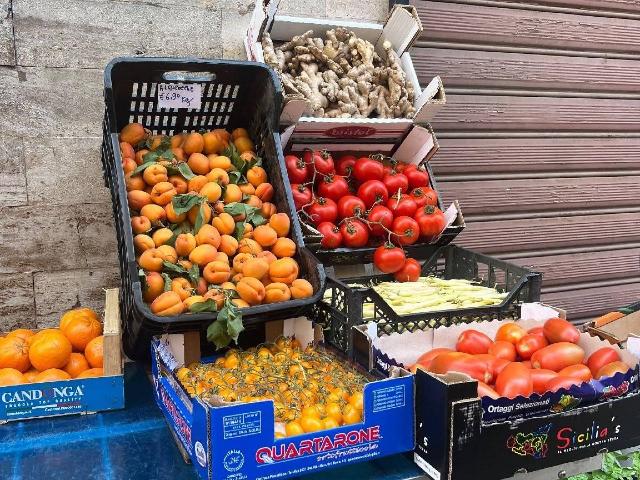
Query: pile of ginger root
342	75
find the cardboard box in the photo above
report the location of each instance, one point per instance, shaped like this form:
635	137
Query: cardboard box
618	331
237	440
454	438
401	28
67	397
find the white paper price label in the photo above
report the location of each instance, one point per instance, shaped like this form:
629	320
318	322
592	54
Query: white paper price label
179	95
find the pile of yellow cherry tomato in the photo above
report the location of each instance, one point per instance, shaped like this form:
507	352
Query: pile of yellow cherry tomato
311	388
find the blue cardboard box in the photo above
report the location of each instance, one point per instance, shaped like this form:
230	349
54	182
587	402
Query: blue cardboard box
67	397
237	441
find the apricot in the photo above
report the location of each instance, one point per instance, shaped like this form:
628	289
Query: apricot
138	199
155	174
219	176
268	256
253	201
256	175
198	163
217	295
186	264
151	260
168	253
178	154
264	192
162	193
268	210
133	133
179	183
217	272
126	150
193	143
224	223
255	267
139	158
240	259
208	234
247	189
212	191
213	143
155	213
251	290
171	214
134	183
232	193
249	156
218	207
161	236
248	231
237	277
128	165
221	257
243	144
248	245
185	243
223	133
228	245
177	139
284	247
277	292
202	286
227	286
206	213
189	301
168	303
220	161
182	287
284	270
301	288
239	132
238	302
281	223
265	235
196	183
140	224
155	140
203	254
154	286
143	242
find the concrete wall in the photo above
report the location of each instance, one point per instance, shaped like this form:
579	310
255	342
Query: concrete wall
57	242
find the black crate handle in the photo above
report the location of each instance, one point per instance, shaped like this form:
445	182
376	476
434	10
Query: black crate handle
184	76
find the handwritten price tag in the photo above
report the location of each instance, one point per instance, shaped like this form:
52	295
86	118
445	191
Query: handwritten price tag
179	95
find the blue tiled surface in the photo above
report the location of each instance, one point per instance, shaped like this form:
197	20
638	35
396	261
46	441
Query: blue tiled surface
129	444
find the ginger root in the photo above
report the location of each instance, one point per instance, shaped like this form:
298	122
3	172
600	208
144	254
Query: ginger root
341	75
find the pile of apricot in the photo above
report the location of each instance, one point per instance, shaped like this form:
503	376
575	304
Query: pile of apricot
311	388
246	258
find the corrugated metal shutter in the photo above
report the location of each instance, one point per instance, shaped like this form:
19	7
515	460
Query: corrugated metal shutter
540	139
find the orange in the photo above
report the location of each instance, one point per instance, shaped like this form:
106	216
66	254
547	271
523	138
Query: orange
52	375
30	375
77	364
23	333
10	376
92	372
50	349
82	330
14	353
94	350
77	312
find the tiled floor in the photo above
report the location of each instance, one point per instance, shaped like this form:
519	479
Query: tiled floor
129	444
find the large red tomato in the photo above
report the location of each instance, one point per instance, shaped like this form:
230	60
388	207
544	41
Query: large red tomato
431	221
331	236
424	196
296	169
600	358
536	331
301	195
529	344
344	165
541	378
373	192
559	330
321	161
426	358
503	349
333	186
557	356
402	206
514	380
410	272
323	210
351	206
485	390
559	382
578	371
389	258
406	231
368	169
395	182
510	332
417	178
461	362
610	369
355	233
380	218
473	342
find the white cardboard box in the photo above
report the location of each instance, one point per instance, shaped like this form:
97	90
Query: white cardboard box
401	28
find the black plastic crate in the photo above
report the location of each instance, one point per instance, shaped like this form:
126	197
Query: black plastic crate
342	307
235	94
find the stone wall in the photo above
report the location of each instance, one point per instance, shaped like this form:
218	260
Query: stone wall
57	241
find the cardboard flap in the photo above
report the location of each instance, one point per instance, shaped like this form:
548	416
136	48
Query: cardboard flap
432	99
417	146
402	28
619	330
261	20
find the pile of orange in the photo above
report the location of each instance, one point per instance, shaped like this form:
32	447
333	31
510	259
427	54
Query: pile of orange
234	239
74	350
